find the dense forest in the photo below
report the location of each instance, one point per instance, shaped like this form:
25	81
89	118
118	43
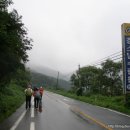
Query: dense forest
14	44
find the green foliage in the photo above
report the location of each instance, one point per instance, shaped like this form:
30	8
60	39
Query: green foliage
22	77
112	76
10	99
105	80
14	43
4	4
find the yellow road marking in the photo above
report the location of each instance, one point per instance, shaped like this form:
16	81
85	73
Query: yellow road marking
91	118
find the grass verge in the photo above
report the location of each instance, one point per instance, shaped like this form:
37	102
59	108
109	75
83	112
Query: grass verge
10	99
116	103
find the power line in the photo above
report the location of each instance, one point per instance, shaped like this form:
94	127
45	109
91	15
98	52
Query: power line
114	56
99	63
118	58
107	57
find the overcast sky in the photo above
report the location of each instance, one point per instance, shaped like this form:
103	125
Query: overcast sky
71	32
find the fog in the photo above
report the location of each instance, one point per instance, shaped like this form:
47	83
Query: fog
67	33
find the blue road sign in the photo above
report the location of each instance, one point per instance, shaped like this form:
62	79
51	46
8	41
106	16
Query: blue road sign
126	56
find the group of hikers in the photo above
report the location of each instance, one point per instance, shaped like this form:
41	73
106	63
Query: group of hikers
37	93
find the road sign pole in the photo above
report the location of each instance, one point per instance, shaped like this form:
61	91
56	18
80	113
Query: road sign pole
126	61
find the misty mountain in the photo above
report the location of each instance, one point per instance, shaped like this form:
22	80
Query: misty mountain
39	79
49	72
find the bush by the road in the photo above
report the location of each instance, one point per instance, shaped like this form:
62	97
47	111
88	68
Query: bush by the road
10	99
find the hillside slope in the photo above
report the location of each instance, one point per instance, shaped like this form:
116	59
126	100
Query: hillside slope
39	79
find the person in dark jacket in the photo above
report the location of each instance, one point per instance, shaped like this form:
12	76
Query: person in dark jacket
37	97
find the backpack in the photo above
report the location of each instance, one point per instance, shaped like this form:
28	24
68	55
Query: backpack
28	92
37	94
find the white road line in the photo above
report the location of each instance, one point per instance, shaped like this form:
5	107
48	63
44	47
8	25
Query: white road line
120	113
32	126
65	99
64	103
18	121
32	113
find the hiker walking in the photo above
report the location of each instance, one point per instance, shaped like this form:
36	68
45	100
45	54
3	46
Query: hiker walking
41	90
28	93
37	97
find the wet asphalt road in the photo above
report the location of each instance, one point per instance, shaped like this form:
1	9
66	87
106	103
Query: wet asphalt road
61	113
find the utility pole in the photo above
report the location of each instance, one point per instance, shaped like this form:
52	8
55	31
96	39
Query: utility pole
79	91
79	76
57	80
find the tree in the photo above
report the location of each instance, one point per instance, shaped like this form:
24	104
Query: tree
112	77
105	80
74	82
4	4
88	78
14	43
22	77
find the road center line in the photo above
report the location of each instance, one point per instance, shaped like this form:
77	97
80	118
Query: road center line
32	126
32	113
18	121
